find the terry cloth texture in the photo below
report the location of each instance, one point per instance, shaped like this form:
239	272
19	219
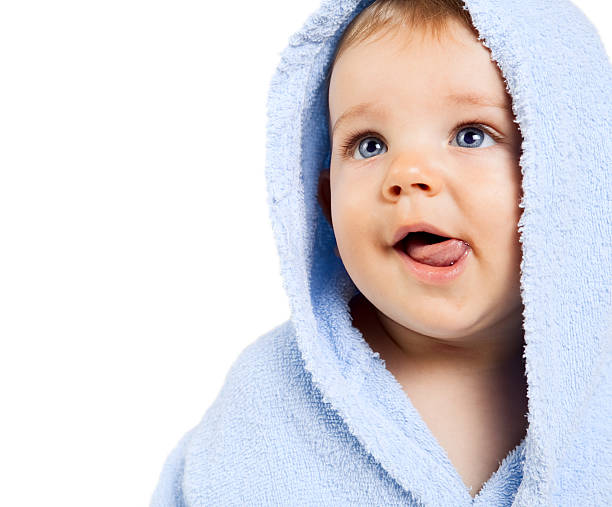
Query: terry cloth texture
310	415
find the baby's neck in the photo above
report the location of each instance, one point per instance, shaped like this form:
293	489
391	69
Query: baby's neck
473	360
480	397
477	417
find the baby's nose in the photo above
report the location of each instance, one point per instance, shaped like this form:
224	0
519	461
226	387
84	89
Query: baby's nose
409	175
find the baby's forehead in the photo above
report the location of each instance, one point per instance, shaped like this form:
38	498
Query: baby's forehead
469	78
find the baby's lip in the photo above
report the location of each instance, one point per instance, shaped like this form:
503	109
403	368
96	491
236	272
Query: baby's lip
419	226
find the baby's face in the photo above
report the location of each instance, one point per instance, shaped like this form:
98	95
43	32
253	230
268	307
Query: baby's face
419	164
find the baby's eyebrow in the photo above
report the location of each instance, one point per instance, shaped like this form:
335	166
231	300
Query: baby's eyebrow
359	110
479	100
470	98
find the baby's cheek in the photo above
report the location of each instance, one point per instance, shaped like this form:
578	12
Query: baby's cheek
351	211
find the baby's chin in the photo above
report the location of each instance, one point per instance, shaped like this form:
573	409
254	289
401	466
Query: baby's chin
454	325
450	330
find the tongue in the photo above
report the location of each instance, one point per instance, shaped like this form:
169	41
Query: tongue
444	253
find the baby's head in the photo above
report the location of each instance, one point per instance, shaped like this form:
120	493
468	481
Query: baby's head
422	130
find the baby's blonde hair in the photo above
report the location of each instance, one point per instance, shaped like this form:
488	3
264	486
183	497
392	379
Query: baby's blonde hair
384	15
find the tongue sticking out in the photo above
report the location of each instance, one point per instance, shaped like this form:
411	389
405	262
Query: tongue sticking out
444	253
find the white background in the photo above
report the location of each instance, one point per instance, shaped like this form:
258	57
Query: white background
136	254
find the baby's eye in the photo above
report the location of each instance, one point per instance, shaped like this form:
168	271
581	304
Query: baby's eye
370	147
364	145
472	137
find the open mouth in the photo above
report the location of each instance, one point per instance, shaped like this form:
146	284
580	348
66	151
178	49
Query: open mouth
425	237
431	249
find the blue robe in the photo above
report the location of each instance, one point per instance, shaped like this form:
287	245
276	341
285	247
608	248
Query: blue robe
310	415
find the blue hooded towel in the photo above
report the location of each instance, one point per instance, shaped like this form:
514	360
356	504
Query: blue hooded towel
310	415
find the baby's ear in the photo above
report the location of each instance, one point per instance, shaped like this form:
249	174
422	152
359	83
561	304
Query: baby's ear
324	194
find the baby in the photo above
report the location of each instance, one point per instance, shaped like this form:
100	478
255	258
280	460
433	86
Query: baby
423	139
423	244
